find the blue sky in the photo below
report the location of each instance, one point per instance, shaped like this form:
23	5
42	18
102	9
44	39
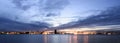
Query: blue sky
53	12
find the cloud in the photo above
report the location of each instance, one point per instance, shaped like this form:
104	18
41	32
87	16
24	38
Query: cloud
40	10
24	4
30	11
55	4
47	5
108	17
18	26
7	9
25	15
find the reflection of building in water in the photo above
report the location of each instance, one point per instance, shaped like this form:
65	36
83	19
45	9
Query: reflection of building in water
70	39
75	39
45	39
85	39
59	39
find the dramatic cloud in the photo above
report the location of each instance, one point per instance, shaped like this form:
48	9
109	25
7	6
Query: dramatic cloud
10	25
48	5
7	10
29	14
52	13
30	11
40	10
106	18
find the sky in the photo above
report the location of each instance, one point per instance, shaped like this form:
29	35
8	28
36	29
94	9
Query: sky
59	13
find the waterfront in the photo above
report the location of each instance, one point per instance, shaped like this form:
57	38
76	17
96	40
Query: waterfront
59	38
70	31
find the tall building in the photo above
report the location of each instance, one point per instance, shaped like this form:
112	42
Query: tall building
55	31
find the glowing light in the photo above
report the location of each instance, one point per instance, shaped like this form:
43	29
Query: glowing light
55	24
45	33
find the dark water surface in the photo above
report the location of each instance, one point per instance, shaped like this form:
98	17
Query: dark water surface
59	38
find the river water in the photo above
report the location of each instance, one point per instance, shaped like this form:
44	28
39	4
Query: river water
59	38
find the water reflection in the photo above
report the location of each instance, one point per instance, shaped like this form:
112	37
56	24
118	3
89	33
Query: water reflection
45	39
75	39
85	39
70	39
59	39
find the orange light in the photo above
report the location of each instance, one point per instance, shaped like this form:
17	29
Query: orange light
45	33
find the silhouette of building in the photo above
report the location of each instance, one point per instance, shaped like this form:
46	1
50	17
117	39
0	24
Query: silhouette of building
55	31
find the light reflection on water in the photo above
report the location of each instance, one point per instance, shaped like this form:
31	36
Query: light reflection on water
59	39
85	39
